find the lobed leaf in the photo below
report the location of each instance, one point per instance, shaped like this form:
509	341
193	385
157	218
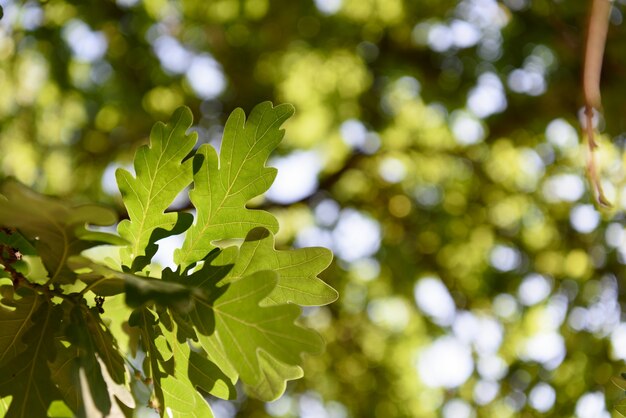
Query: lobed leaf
222	190
274	377
161	174
297	270
244	329
239	303
190	371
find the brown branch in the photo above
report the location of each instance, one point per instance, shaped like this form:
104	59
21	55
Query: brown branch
594	53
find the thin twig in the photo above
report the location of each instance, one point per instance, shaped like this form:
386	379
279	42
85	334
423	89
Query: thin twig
594	53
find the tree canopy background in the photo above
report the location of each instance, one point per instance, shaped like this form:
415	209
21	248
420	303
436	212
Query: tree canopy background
435	149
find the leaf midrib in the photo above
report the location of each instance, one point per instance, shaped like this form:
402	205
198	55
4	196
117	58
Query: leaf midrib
18	334
152	182
33	363
231	184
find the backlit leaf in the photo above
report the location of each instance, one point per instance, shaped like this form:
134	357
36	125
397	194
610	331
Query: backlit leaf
297	270
274	378
222	190
179	392
244	329
160	174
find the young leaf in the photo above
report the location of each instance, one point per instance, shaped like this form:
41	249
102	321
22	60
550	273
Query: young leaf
57	228
160	175
243	329
221	191
27	376
297	270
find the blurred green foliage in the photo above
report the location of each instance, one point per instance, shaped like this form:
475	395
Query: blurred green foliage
448	129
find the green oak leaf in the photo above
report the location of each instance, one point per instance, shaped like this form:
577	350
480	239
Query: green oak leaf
179	389
182	400
27	377
222	190
297	270
57	228
161	174
216	353
205	374
244	329
203	282
275	376
15	322
190	366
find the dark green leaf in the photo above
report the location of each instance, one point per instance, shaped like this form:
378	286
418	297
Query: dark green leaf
15	322
57	228
17	241
27	377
